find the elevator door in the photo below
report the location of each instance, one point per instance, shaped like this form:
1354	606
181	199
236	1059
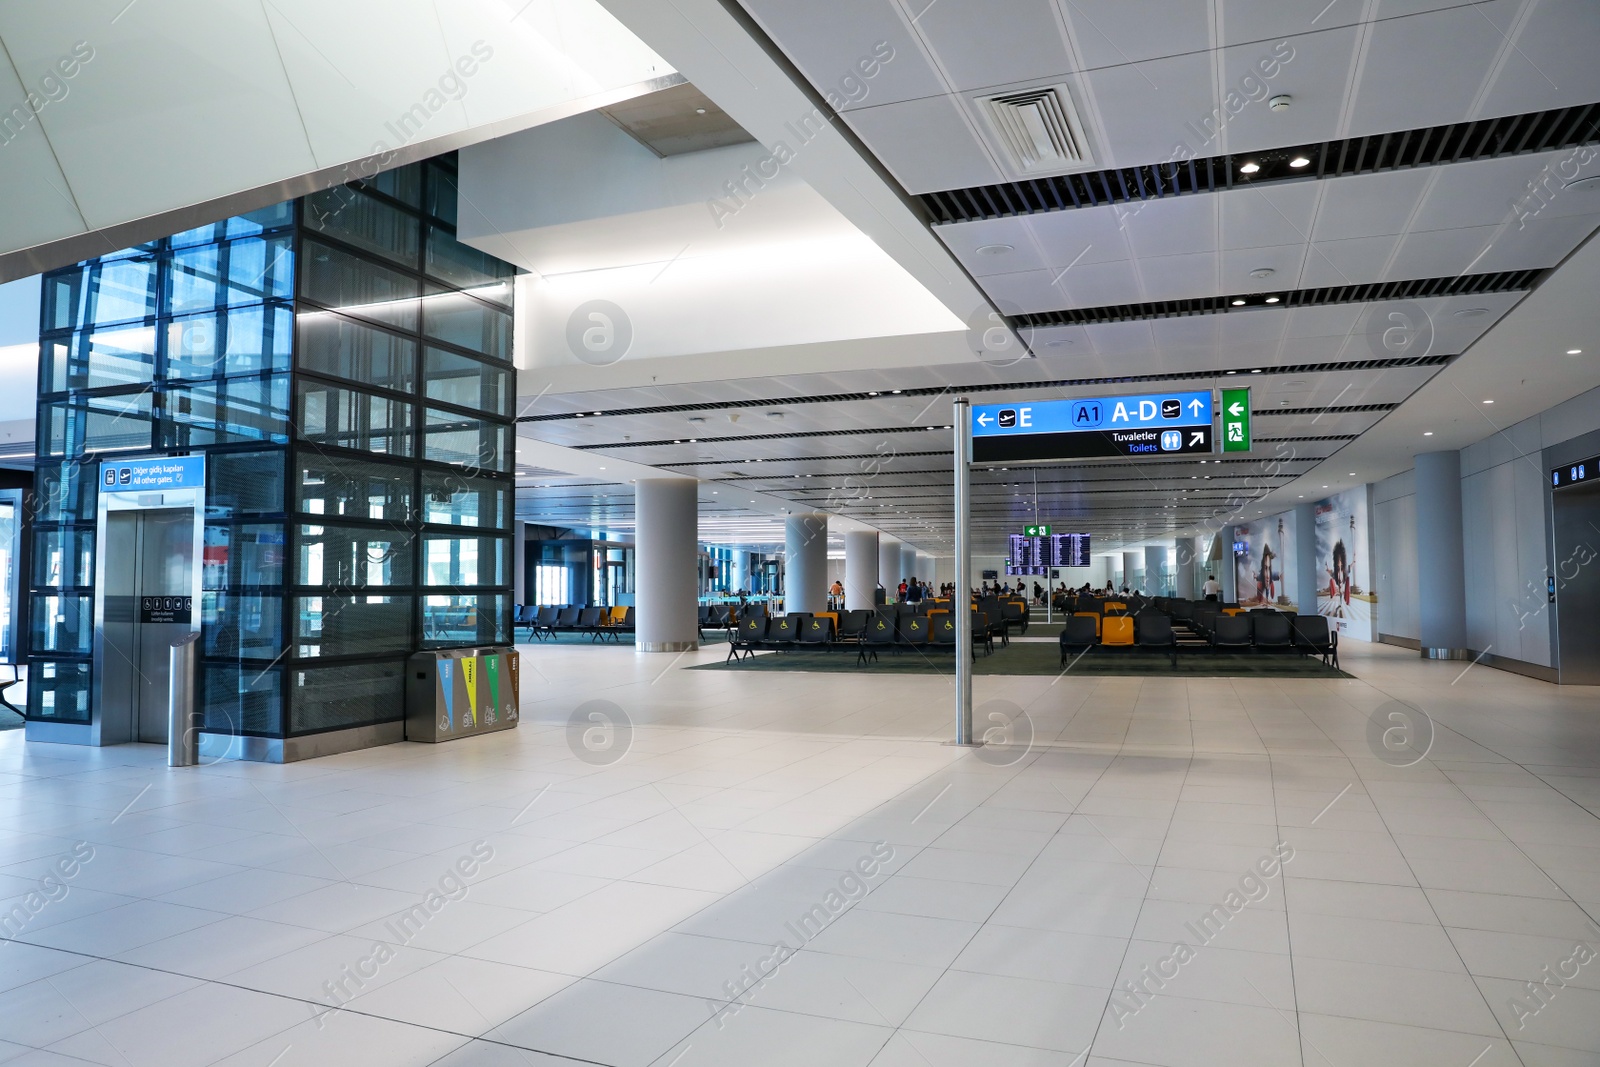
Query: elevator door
149	571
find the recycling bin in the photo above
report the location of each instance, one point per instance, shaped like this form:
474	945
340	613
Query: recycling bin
461	692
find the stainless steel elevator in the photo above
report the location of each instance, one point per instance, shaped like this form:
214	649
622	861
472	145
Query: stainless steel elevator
148	604
149	532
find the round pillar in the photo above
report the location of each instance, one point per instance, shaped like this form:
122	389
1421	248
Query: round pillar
889	573
908	563
805	582
666	564
1183	578
1306	578
1155	561
1132	564
860	569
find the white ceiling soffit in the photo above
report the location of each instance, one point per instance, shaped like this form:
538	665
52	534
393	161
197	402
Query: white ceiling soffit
716	52
1149	77
115	113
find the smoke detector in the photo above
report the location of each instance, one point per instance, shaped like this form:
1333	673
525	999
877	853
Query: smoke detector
1262	272
1280	102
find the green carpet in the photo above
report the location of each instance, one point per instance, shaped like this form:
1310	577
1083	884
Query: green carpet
1038	657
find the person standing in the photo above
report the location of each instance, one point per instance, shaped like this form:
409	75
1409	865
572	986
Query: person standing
1213	588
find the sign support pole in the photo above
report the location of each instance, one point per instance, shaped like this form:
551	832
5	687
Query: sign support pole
961	603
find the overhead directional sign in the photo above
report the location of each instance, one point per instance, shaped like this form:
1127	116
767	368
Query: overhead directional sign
1156	424
1236	420
1037	531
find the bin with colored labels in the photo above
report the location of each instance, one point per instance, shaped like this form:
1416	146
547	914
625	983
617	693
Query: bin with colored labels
461	692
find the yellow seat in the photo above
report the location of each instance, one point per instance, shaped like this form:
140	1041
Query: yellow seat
618	617
1117	630
1233	611
1115	605
1095	615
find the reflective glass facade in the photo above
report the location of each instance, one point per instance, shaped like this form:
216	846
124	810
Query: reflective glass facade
345	365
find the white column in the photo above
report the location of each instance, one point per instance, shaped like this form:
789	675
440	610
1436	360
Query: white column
1183	576
908	563
805	583
1155	561
889	565
1132	564
860	569
1441	572
668	515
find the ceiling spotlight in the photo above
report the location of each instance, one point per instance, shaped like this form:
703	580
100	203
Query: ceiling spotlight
1574	351
1299	161
699	111
896	392
602	468
1249	168
1233	372
1272	299
599	413
872	394
1256	371
1488	401
995	250
1262	272
1427	433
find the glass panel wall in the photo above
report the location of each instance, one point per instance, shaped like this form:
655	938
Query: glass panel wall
344	364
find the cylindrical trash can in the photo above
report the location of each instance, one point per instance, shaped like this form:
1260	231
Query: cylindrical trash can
183	731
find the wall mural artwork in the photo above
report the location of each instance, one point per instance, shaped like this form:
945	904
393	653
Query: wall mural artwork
1264	568
1345	593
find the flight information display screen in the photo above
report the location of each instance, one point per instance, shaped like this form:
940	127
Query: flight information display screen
1034	555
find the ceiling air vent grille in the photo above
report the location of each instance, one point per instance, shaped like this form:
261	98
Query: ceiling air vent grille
1039	129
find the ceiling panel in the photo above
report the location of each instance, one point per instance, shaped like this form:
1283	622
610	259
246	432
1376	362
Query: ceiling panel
960	38
1142	106
1115	32
1553	60
927	144
825	38
1396	92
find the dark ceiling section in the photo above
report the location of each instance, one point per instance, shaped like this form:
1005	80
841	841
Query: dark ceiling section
1458	142
1511	281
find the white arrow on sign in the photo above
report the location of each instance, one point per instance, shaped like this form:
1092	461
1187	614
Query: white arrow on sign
1195	407
1235	409
1196	438
984	420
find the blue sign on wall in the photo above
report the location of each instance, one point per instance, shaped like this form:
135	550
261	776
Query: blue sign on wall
152	474
1152	424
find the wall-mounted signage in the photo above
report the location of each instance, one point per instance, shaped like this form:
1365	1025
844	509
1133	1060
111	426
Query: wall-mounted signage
1570	474
1155	424
152	474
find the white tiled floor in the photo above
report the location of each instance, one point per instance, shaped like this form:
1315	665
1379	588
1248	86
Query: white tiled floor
628	913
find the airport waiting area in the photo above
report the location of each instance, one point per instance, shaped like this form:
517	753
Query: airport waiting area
777	533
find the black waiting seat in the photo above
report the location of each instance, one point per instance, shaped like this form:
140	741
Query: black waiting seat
1231	631
567	620
750	636
1181	610
1205	618
543	620
879	633
1312	634
913	631
1079	633
817	631
785	630
589	622
852	624
1154	630
1271	631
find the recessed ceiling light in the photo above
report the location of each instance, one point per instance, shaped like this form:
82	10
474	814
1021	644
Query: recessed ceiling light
602	468
1233	372
1488	401
1256	371
1324	487
1272	300
872	394
896	392
1427	433
1574	351
1238	303
699	111
1249	168
1299	161
995	250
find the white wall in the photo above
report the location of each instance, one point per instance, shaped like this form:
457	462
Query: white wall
1394	522
1505	535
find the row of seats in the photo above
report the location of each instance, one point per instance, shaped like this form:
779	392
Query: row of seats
1268	631
866	631
599	623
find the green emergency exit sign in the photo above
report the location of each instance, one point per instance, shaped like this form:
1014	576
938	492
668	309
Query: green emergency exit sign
1236	420
1037	531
